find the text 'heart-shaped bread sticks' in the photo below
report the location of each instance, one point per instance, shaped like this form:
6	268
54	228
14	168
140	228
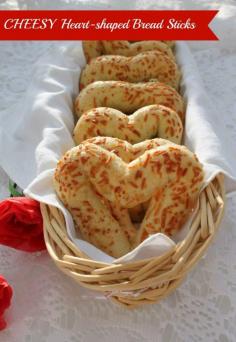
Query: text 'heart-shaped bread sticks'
151	65
95	48
128	97
102	178
146	123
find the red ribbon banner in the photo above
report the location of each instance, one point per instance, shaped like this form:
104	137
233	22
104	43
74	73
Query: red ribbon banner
109	25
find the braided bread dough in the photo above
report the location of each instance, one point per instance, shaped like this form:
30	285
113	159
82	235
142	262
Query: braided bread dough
95	48
151	65
147	122
128	97
105	173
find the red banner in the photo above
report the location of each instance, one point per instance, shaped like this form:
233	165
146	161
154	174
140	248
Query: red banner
109	25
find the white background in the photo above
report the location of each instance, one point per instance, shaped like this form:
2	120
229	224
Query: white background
48	306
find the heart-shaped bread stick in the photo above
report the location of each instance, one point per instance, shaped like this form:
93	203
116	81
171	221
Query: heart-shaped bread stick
95	48
146	123
128	97
146	66
105	173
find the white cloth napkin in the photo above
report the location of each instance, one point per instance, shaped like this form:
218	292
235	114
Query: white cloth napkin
31	145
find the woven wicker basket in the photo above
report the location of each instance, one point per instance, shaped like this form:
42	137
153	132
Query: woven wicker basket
140	282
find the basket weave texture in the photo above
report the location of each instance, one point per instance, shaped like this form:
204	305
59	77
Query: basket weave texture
145	281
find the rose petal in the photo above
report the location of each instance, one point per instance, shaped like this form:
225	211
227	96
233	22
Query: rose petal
3	323
21	224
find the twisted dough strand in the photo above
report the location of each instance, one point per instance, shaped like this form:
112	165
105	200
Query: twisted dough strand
128	97
95	48
103	177
148	122
151	65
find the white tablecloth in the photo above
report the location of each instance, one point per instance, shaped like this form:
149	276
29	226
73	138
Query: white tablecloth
48	306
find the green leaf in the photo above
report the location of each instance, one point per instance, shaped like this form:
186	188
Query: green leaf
13	189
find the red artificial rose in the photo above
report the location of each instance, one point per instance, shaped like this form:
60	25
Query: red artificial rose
21	224
5	300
